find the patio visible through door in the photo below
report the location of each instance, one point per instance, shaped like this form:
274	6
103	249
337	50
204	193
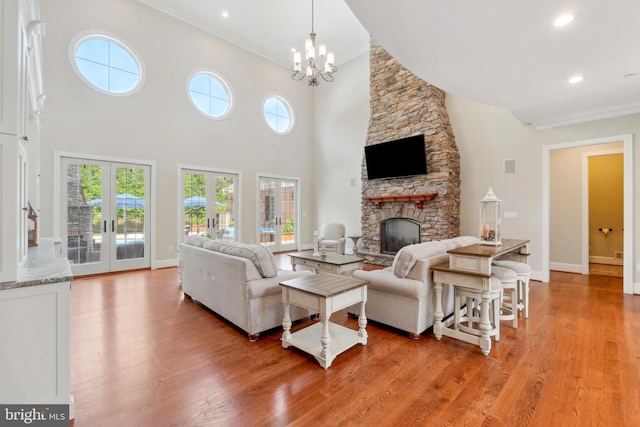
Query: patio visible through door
277	215
105	215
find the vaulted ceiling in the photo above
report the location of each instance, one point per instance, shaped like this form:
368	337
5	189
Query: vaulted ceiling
503	53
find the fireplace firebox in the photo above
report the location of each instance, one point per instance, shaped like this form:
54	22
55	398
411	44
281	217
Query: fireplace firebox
396	233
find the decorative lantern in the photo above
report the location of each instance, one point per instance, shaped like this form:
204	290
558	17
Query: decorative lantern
490	218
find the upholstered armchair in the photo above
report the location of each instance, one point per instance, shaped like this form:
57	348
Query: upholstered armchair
332	238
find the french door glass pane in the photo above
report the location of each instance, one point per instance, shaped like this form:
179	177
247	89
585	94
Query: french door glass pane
288	212
224	207
130	212
267	211
84	213
195	204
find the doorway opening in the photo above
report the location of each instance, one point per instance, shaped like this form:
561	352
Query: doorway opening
627	143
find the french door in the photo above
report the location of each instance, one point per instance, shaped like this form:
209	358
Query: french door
277	213
210	204
104	215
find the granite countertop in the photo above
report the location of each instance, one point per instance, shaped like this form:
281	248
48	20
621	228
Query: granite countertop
43	266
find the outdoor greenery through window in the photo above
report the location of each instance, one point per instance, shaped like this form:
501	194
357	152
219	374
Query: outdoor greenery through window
278	114
210	95
209	204
130	198
107	65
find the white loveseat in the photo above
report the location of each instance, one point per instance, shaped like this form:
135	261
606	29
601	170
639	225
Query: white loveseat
237	281
402	296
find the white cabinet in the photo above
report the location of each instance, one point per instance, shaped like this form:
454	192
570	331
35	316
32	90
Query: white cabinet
13	244
34	331
21	101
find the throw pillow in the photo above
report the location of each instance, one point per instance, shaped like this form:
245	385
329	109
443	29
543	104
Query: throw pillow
196	240
261	257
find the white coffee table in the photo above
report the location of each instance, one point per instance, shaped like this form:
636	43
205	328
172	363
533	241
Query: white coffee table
333	263
325	294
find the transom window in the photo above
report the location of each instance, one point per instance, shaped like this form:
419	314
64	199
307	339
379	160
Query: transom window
107	65
278	115
210	94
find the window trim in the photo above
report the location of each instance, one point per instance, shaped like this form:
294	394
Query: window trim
123	44
224	84
289	108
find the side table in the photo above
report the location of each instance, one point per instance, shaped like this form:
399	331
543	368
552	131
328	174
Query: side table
325	294
355	242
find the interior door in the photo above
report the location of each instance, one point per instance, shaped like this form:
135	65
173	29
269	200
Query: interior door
210	204
105	219
277	213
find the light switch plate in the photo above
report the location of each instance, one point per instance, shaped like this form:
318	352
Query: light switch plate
511	215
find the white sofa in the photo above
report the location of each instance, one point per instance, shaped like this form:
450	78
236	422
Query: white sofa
237	281
402	296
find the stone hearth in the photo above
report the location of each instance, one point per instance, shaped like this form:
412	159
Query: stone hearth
403	105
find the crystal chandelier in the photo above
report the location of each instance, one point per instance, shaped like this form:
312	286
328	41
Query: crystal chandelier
323	66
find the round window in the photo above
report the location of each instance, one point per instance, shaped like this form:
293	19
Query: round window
107	65
278	115
210	94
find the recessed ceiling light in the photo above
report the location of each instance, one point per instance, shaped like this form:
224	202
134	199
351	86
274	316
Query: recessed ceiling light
225	14
576	79
563	20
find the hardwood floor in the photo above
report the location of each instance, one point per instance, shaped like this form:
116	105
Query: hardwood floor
143	355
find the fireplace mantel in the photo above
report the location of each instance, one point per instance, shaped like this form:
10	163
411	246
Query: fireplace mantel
419	199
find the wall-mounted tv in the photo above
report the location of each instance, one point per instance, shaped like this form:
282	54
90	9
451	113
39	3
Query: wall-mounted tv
396	159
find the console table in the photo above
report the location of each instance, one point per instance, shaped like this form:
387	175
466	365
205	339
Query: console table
325	294
470	267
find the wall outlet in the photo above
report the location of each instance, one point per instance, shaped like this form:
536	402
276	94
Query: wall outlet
170	248
638	267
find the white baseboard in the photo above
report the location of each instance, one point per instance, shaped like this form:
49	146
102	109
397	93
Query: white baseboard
165	263
605	260
540	276
569	268
636	288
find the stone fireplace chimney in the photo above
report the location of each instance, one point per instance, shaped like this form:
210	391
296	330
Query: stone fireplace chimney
403	105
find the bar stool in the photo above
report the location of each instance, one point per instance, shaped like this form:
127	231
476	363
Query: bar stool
523	271
466	319
509	300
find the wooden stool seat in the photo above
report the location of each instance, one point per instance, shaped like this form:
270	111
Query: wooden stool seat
509	301
523	272
466	310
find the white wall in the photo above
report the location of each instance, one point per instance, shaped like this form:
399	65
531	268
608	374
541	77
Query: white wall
341	119
158	123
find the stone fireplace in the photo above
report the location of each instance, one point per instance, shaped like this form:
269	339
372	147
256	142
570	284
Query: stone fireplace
416	209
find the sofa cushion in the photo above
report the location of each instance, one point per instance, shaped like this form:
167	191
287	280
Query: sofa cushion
196	240
381	280
261	257
407	256
213	245
466	240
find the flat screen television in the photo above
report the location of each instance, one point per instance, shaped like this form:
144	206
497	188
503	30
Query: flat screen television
396	159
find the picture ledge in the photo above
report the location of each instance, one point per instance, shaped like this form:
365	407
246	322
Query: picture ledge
419	199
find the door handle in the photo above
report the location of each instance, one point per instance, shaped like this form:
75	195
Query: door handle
113	226
105	226
208	222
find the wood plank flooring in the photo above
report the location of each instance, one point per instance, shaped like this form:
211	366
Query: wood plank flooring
143	355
